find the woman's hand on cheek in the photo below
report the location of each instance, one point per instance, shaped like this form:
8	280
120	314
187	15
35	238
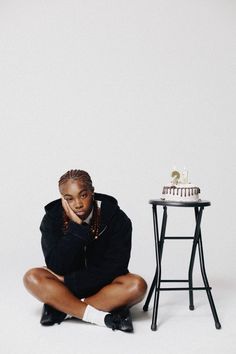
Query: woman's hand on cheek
69	212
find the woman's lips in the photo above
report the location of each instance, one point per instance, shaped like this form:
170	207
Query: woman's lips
79	212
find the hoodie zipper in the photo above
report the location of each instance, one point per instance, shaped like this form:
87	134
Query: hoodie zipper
102	230
85	247
85	258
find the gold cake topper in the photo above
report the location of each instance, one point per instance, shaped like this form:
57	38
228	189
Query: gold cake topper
179	176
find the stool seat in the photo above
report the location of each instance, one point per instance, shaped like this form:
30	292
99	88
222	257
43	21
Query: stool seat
163	202
198	207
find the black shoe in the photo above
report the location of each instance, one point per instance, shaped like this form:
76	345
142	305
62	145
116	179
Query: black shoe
50	316
119	319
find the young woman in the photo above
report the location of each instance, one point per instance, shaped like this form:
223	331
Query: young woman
86	241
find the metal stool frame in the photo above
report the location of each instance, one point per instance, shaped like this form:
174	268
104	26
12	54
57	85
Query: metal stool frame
197	243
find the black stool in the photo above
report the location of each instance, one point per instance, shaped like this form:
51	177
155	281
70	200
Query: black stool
197	242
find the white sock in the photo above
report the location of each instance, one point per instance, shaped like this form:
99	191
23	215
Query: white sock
93	315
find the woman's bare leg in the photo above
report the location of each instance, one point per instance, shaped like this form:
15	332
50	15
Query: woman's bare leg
46	287
125	290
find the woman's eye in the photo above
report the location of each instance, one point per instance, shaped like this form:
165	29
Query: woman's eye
83	196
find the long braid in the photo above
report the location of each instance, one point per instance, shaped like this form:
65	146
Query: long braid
85	178
95	222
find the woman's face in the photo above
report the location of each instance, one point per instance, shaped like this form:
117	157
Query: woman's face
78	196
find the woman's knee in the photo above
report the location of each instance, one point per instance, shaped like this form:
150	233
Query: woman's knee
139	285
34	277
134	284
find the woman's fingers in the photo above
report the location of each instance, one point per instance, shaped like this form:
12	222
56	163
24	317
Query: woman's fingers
70	213
65	206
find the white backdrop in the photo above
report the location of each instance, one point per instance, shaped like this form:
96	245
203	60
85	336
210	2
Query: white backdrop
124	90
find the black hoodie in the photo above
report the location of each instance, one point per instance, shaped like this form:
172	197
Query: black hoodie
87	264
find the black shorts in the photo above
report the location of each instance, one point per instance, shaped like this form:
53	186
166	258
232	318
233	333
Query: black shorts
88	286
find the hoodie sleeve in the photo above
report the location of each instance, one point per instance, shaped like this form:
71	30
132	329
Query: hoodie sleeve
114	263
63	253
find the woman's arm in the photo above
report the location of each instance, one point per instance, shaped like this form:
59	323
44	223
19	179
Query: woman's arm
63	252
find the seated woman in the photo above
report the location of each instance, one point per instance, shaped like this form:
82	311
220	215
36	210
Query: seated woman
86	241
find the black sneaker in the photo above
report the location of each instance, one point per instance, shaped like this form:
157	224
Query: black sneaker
50	316
119	319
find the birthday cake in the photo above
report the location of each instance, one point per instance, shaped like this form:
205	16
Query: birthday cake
180	190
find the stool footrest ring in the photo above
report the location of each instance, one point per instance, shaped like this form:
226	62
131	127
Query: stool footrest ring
174	281
189	288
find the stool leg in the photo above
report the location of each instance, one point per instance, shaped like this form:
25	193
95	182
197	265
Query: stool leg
163	229
156	302
198	215
205	280
145	307
159	250
158	270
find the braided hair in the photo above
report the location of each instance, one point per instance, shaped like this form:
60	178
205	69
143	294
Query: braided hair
84	178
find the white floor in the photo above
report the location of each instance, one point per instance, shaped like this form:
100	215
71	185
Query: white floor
179	330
